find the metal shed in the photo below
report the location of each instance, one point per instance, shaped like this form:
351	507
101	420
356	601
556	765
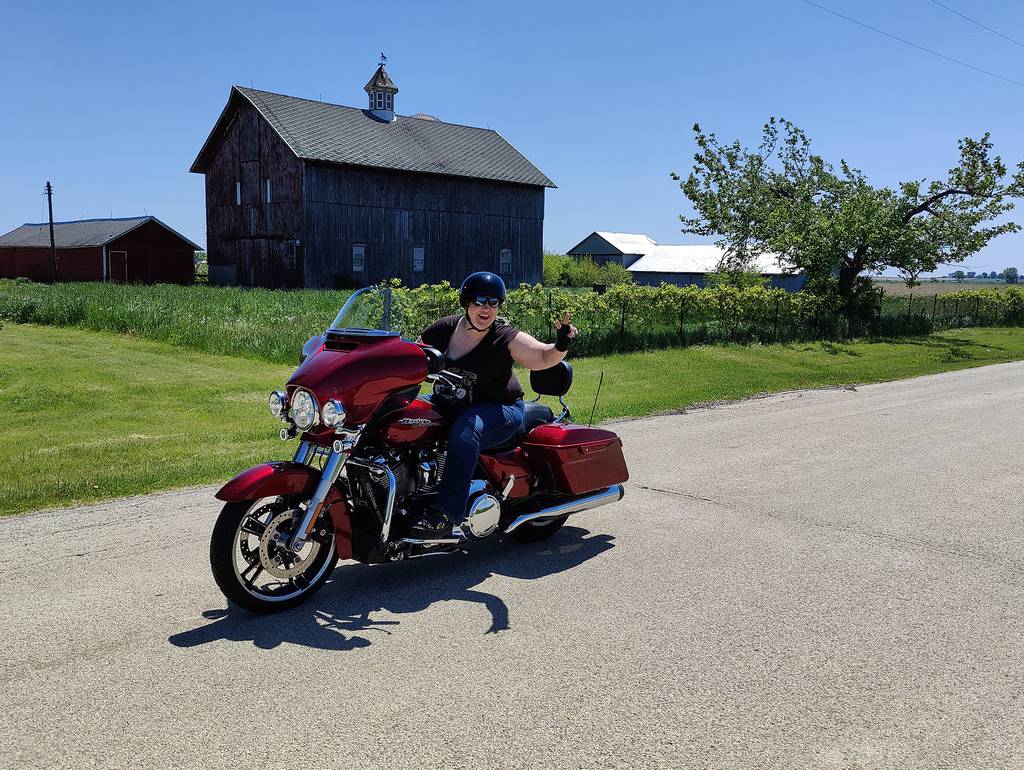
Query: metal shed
128	250
652	264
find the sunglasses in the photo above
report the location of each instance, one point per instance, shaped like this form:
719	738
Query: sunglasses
486	301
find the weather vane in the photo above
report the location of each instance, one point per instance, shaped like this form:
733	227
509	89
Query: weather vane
383	59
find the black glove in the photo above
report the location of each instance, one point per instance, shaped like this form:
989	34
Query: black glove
562	339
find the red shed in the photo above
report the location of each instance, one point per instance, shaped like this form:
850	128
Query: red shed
131	250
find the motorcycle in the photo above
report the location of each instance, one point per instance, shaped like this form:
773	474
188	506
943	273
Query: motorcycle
370	454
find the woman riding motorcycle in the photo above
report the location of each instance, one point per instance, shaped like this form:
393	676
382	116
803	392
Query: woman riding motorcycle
485	346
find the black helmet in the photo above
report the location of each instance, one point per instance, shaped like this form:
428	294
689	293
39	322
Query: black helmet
481	284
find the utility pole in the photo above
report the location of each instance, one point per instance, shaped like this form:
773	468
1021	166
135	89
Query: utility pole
53	245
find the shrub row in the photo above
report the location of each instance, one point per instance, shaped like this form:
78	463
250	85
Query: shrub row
272	325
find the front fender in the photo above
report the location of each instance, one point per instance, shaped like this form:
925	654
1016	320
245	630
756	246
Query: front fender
270	480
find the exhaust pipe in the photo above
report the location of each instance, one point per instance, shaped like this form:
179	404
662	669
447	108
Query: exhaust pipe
610	494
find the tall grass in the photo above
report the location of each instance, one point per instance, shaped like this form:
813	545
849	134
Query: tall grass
251	323
272	325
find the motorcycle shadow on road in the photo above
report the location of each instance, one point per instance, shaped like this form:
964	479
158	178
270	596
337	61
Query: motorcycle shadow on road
334	617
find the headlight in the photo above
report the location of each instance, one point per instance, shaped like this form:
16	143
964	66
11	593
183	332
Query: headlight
277	402
303	410
333	413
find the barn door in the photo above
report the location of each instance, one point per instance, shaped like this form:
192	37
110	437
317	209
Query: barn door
118	261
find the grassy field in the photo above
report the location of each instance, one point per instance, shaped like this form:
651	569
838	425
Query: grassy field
927	289
90	416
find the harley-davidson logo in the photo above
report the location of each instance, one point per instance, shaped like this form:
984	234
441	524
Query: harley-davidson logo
414	421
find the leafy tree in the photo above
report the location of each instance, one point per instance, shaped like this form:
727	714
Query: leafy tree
1010	274
739	279
554	269
582	271
971	274
832	223
959	275
910	276
612	274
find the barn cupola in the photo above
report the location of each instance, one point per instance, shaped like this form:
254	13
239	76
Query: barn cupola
382	93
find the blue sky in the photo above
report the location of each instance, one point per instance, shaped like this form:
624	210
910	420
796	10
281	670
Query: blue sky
111	101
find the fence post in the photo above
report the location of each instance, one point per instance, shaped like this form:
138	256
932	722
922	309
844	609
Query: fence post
956	312
935	302
977	312
775	331
682	316
622	320
910	305
551	332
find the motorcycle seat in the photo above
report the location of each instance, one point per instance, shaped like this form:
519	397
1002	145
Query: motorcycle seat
536	414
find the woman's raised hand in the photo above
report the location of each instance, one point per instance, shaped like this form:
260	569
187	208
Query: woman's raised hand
565	332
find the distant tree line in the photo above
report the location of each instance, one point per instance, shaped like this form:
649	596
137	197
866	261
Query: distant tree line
1010	275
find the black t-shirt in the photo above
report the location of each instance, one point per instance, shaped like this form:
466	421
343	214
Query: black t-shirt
490	360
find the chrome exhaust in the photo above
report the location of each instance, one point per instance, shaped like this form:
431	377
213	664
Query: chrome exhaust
610	494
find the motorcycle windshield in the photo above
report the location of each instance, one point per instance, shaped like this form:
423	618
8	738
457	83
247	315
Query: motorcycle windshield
367	311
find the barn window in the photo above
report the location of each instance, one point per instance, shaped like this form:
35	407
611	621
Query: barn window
505	261
238	193
389	100
266	193
417	259
358	257
405	225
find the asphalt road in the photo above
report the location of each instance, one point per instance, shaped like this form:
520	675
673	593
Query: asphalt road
817	579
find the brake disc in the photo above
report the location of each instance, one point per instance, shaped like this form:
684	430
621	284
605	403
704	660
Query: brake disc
274	554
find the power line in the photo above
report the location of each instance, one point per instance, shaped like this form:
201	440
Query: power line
975	21
914	45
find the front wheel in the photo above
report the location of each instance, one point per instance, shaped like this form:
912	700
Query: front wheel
252	567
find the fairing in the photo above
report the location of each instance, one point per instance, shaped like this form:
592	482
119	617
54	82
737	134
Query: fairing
359	371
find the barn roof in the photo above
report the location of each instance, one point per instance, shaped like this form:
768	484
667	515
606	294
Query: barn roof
79	234
381	81
624	243
698	258
332	133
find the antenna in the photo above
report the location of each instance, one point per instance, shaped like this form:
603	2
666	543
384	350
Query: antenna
600	382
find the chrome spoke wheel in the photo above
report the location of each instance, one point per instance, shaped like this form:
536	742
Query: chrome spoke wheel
251	559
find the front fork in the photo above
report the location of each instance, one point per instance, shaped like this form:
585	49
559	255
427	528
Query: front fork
340	454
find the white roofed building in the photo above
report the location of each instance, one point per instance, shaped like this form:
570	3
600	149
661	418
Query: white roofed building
652	264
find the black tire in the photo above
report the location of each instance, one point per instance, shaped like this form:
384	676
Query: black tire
223	544
533	533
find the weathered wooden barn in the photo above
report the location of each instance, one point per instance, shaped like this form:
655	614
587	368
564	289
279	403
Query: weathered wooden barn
130	250
652	264
300	193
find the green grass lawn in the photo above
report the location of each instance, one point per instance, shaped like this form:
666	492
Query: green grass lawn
89	416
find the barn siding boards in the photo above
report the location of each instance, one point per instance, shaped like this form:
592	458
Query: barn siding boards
787	282
462	224
252	243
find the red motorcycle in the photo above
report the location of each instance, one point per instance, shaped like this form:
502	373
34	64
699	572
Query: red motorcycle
371	453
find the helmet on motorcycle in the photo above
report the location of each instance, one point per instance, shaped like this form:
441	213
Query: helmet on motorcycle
482	284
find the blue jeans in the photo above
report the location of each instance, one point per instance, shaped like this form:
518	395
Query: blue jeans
477	427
